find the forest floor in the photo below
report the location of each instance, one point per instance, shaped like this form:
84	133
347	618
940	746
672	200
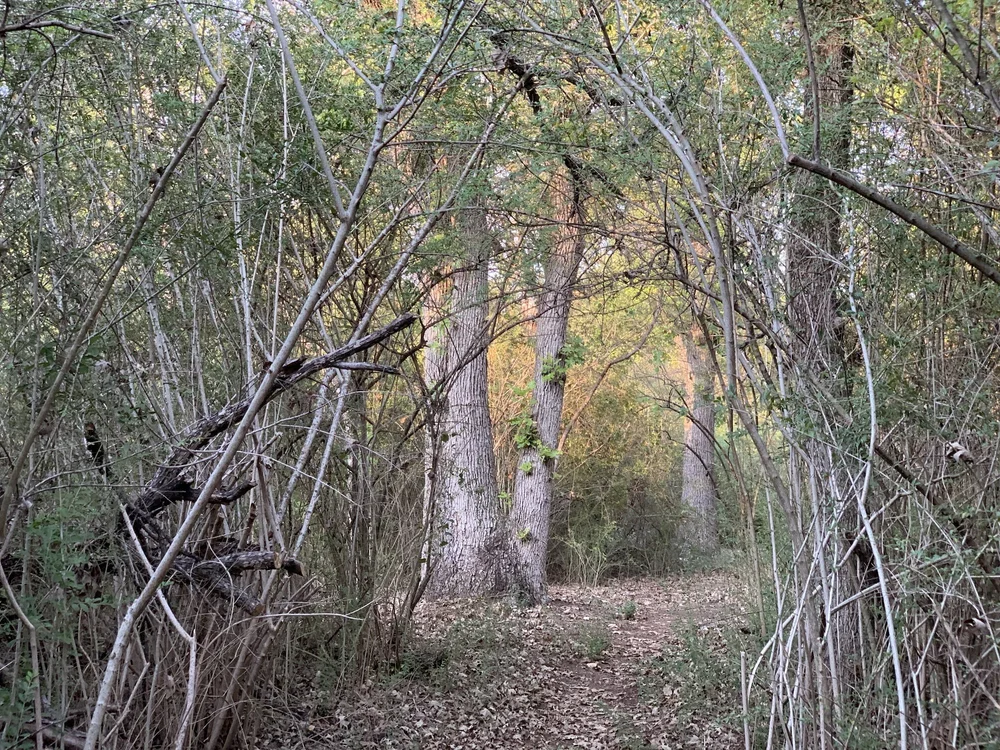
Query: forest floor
629	664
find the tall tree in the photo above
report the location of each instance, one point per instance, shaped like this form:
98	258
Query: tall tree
469	552
815	263
538	433
815	252
699	530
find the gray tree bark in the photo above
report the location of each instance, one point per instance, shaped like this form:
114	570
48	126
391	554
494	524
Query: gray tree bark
536	465
815	262
469	547
814	257
699	530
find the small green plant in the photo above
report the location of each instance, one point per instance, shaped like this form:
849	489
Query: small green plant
482	646
526	436
555	369
526	468
627	611
525	431
424	663
630	736
506	501
548	453
592	640
525	390
702	670
589	551
524	535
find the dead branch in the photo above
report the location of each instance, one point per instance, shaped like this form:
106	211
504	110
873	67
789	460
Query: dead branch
39	25
171	483
949	242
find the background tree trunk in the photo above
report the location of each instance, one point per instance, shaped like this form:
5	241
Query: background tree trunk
539	437
699	530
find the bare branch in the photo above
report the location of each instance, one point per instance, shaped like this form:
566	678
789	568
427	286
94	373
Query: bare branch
951	243
37	25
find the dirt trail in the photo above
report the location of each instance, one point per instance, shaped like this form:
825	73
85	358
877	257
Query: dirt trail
604	667
636	679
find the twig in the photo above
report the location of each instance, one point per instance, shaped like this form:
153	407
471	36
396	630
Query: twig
324	160
609	365
197	40
866	521
189	638
746	700
275	381
813	78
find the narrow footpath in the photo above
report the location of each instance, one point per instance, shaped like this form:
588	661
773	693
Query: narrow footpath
632	664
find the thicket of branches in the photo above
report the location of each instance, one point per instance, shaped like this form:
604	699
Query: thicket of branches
234	241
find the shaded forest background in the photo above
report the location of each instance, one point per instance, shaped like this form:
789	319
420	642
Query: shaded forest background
309	311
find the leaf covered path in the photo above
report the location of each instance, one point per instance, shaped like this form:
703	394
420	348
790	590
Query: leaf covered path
631	664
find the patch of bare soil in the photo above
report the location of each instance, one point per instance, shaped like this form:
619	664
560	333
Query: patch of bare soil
631	664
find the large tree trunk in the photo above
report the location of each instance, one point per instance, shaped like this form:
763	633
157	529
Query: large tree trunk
434	320
699	531
815	253
538	436
470	547
815	263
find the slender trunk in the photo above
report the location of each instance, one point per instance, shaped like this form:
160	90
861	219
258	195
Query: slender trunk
360	557
435	367
538	436
469	548
699	531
